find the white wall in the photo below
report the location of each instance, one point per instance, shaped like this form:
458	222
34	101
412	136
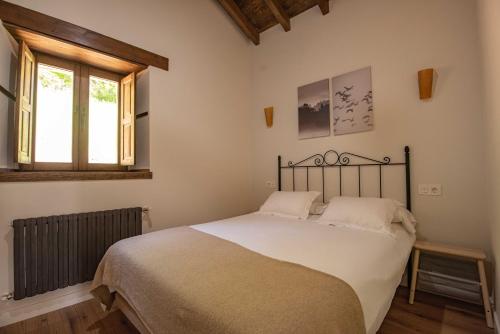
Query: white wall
199	115
397	38
489	19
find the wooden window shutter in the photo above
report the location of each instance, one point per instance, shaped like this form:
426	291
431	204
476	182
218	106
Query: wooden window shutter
127	120
25	104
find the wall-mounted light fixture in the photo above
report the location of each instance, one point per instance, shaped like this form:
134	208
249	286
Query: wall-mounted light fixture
269	116
425	81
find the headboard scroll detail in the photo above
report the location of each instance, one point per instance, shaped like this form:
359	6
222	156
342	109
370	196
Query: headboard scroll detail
342	159
333	159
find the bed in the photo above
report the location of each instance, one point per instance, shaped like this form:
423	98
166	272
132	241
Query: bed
281	256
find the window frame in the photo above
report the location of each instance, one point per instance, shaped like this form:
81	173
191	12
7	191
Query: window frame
83	148
80	134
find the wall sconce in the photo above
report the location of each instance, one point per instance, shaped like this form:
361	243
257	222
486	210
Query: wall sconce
425	81
269	116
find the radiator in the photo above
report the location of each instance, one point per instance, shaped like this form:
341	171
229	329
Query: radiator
57	251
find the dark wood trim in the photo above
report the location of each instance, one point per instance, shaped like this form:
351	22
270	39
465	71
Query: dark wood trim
47	166
141	115
279	13
69	32
22	176
240	19
324	5
7	93
45	44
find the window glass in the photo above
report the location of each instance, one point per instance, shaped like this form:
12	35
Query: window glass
54	115
103	121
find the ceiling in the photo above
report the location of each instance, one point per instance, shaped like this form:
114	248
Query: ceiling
256	16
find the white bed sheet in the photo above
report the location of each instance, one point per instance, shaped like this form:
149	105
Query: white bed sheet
372	263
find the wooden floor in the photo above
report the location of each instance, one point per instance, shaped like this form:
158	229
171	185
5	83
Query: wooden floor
432	315
429	315
86	317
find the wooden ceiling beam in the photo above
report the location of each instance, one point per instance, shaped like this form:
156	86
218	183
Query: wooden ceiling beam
279	13
241	20
324	5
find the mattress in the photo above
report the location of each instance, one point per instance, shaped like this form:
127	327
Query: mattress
371	263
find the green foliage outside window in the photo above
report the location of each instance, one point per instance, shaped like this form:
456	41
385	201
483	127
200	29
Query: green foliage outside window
101	90
54	79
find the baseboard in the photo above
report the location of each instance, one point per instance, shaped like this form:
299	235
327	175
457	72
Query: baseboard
12	311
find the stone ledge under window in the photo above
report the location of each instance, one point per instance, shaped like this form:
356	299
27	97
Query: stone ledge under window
36	176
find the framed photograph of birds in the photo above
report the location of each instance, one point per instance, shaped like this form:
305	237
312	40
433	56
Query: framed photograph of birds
352	102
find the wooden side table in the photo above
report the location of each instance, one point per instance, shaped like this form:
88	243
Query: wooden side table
475	255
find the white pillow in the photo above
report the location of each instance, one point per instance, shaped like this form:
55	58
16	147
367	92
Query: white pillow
366	213
317	208
292	204
406	218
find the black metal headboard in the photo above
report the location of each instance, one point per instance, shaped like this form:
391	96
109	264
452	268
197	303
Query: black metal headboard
333	159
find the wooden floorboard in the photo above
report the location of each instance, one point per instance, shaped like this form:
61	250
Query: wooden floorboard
433	315
429	314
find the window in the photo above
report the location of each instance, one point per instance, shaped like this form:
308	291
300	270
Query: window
103	121
73	116
54	114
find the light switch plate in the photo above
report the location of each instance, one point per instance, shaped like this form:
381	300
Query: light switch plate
423	189
271	184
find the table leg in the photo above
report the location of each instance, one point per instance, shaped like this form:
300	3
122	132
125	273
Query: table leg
416	260
484	291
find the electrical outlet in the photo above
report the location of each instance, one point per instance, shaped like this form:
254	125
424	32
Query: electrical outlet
430	189
271	184
435	190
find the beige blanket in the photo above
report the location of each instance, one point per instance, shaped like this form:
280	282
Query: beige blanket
181	280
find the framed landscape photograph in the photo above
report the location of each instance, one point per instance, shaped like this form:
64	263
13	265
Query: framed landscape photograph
314	110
